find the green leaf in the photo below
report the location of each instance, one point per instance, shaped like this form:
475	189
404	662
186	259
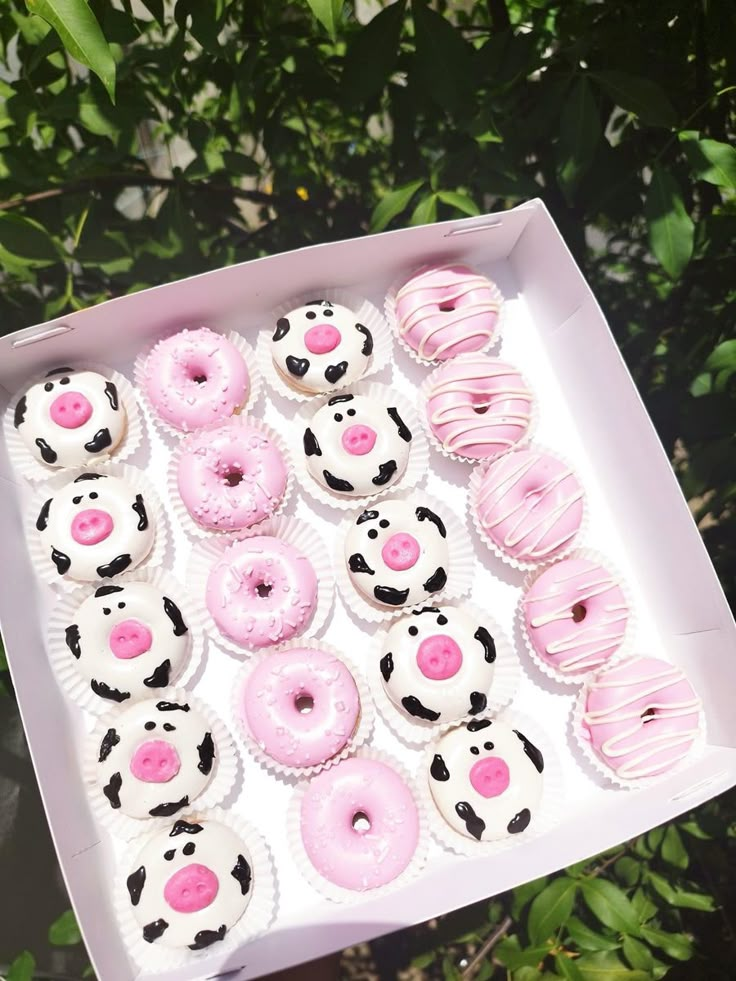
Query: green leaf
675	945
701	385
424	960
607	966
525	893
643	906
510	953
671	229
443	61
710	160
372	54
449	971
673	850
327	13
22	968
722	357
392	204
567	968
425	212
692	827
586	939
640	96
580	133
610	905
693	900
628	870
64	932
26	241
460	201
551	908
81	35
527	974
637	954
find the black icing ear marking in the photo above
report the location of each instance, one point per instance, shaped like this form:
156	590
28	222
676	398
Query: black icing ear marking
282	329
89	476
436	581
478	702
311	446
43	515
105	691
318	303
489	646
403	429
532	752
205	938
338	399
391	596
241	872
140	509
112	395
297	366
173	612
109	740
119	564
337	483
426	609
184	828
367	348
475	825
112	790
386	664
106	590
438	770
166	810
71	639
58	371
385	473
426	514
19	415
357	563
99	442
47	454
152	931
475	725
206	750
160	677
367	516
520	822
414	707
172	706
61	560
334	372
135	882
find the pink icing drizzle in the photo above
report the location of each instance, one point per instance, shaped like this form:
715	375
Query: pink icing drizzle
359	440
70	410
155	761
490	776
322	338
401	552
191	889
91	526
129	639
439	657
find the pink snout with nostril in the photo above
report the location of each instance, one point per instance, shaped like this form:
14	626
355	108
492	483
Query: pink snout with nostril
490	777
70	410
400	552
191	889
91	526
322	338
359	440
130	638
439	657
155	761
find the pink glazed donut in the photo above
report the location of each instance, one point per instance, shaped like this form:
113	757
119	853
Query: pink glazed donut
261	592
231	477
336	807
196	378
530	505
641	717
301	706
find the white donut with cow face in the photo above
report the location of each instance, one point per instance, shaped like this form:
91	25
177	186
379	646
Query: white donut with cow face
95	527
127	641
356	446
321	347
437	664
486	779
191	883
71	418
397	553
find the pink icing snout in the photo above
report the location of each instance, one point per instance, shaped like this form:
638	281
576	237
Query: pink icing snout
129	639
191	889
400	552
359	440
70	410
439	657
490	777
322	338
91	526
155	761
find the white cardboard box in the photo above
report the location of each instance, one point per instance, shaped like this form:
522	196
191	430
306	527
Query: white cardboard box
590	411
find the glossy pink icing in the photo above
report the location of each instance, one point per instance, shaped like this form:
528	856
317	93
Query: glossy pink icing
478	406
196	378
575	614
641	716
359	440
439	657
70	410
286	734
191	889
250	568
129	639
348	857
401	552
322	338
231	477
490	776
530	505
155	761
91	526
443	311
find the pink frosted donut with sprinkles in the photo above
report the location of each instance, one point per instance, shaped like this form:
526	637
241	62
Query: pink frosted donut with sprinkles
443	311
641	717
575	616
529	505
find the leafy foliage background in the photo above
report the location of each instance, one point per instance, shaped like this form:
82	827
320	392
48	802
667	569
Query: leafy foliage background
145	141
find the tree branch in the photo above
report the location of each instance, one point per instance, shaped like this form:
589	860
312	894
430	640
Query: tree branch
498	12
501	930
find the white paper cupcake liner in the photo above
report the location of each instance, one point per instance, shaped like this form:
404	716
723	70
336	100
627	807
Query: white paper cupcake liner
461	564
578	540
30	468
365	313
256	919
40	555
549	810
339	894
416	732
422	404
416	468
237	340
220	785
291	530
188	523
72	683
627	643
390	314
362	731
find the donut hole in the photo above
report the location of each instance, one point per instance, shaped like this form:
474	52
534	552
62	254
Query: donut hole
233	477
263	589
481	404
648	715
197	375
361	822
447	307
578	612
304	704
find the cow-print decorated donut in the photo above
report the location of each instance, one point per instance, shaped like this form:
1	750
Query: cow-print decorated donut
486	779
356	446
95	527
190	884
71	418
437	664
397	553
321	347
128	640
155	758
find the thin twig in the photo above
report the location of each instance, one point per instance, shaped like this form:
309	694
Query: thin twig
501	930
604	865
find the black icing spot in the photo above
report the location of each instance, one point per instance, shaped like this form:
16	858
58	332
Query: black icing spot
135	882
367	348
184	828
427	514
337	399
171	807
169	854
205	938
61	560
334	372
206	750
357	563
391	596
311	446
107	590
105	691
436	581
475	725
438	770
160	677
478	702
99	442
110	739
520	822
47	454
89	476
140	509
282	329
172	706
367	516
414	707
112	395
386	665
20	411
112	790
489	646
532	752
168	727
152	931
337	483
385	473
189	848
173	612
241	872
43	515
474	824
297	366
71	638
119	564
403	429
